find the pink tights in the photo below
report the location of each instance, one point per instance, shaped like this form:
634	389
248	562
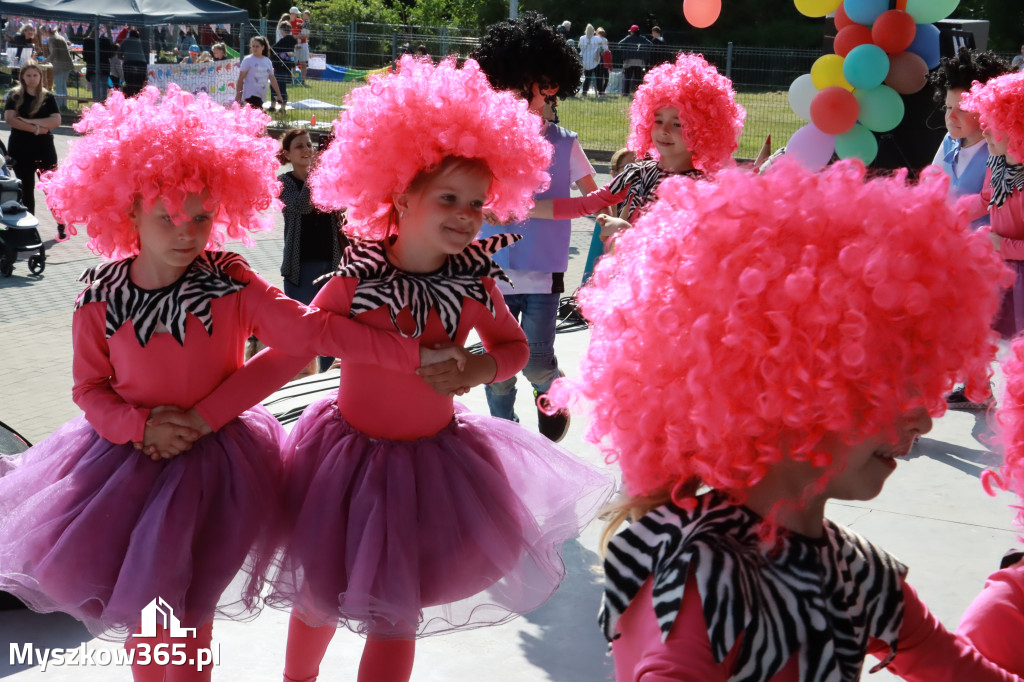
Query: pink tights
172	673
384	660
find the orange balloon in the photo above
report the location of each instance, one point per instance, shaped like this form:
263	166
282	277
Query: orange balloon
702	13
842	21
894	31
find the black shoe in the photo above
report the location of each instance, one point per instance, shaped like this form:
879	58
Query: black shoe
61	234
552	426
958	400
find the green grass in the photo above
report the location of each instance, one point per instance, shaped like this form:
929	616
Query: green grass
601	123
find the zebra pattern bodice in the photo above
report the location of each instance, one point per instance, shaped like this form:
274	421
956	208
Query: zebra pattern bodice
383	285
818	598
152	310
1006	180
642	178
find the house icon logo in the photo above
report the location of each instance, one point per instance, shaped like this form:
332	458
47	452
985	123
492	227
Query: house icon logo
159	610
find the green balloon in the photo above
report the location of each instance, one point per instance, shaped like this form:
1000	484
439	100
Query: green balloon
930	11
857	143
881	108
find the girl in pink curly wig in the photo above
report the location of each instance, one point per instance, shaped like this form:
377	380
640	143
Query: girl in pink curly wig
994	621
805	315
1000	104
169	459
685	121
411	516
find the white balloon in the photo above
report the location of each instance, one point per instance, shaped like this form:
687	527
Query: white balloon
801	92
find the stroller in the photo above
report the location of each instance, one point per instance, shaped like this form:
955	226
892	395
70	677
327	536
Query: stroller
19	229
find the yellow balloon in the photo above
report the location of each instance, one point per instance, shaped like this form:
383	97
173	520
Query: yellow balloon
827	71
816	8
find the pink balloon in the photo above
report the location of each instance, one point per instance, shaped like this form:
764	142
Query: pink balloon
907	73
811	147
702	13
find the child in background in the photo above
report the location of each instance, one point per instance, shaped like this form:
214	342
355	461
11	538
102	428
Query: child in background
963	154
618	162
1000	104
529	58
313	240
994	622
92	526
805	359
254	72
409	515
685	121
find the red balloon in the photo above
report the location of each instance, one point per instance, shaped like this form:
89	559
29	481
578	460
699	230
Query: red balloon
908	73
834	110
894	31
849	38
702	13
842	21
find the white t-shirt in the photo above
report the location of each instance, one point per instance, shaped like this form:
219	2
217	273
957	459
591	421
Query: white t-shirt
531	281
257	72
591	48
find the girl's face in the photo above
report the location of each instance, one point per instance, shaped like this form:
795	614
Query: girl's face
443	216
862	468
31	78
301	152
218	53
167	243
959	123
667	136
998	141
255	48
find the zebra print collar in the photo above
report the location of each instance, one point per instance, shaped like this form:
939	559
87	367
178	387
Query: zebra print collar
205	280
820	599
642	178
1006	180
382	284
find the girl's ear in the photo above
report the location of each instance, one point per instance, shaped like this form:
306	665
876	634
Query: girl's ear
401	202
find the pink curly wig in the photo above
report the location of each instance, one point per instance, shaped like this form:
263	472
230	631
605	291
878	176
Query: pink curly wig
1000	103
760	313
152	147
712	119
1010	416
408	122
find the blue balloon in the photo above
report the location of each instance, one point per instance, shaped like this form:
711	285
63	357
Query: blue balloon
866	66
926	45
865	11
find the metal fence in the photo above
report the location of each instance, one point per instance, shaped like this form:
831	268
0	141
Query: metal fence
761	77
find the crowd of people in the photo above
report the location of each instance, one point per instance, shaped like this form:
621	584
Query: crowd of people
761	342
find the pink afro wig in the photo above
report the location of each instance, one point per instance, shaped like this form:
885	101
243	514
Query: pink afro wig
712	119
1000	102
754	314
1010	416
152	147
410	121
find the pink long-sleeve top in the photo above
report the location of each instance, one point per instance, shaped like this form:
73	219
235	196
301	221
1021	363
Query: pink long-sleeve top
117	379
927	652
635	185
994	622
396	403
1006	220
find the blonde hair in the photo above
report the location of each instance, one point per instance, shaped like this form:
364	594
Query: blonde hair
18	92
204	56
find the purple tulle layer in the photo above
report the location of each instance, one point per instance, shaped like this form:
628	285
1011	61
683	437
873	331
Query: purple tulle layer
455	531
98	530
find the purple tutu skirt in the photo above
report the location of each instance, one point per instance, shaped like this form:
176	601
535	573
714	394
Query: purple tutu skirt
99	530
1010	319
457	530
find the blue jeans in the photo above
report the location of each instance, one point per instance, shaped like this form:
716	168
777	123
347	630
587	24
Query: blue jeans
538	315
60	86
